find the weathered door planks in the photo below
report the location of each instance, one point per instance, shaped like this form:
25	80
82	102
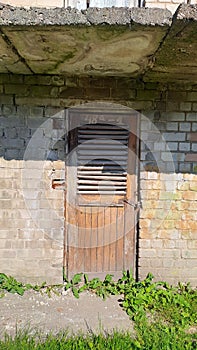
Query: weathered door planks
99	238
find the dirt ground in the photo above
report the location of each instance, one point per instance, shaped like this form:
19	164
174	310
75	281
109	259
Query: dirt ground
40	313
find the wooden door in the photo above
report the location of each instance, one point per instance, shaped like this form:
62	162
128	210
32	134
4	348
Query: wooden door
100	216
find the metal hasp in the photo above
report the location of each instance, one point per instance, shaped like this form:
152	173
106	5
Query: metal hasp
135	205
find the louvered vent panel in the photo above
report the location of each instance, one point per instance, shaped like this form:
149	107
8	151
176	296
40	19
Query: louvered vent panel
102	159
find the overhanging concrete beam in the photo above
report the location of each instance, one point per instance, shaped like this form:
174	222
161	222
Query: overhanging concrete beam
176	58
136	42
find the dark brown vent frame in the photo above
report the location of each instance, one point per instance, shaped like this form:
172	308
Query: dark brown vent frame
102	157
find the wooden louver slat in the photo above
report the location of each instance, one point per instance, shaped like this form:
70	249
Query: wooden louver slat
102	159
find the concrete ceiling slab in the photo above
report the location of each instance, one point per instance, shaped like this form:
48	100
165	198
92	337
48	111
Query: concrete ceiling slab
97	42
95	50
9	59
176	59
137	42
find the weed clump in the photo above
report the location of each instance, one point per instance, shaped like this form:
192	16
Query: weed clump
163	315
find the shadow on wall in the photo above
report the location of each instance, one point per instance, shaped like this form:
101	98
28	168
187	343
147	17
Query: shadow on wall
38	133
32	133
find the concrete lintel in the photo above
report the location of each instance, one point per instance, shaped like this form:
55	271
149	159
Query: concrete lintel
92	16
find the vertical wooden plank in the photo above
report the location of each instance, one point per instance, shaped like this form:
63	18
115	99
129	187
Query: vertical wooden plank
107	232
100	239
112	243
81	240
72	232
88	231
94	238
120	239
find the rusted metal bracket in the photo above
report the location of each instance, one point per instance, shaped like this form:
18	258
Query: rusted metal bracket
58	184
135	205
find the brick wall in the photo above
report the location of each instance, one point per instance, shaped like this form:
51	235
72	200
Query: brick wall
32	212
168	226
171	5
36	3
31	221
168	221
165	4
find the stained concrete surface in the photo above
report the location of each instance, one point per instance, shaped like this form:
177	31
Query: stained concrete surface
37	312
144	43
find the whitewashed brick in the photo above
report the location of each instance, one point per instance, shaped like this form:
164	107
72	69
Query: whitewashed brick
173	146
148	253
172	136
185	126
155	4
153	175
36	3
144	136
191	117
186	106
145	243
184	146
194	126
184	167
189	254
170	186
169	253
194	147
166	156
173	116
168	263
178	157
172	126
159	146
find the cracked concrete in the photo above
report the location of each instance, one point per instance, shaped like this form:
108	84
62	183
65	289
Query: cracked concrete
136	42
39	313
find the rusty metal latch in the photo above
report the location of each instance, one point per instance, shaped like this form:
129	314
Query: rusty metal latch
135	205
58	184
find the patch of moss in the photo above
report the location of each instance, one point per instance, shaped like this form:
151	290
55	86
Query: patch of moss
69	55
110	32
195	169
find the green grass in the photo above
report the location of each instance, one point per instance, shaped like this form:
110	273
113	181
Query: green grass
164	316
155	337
